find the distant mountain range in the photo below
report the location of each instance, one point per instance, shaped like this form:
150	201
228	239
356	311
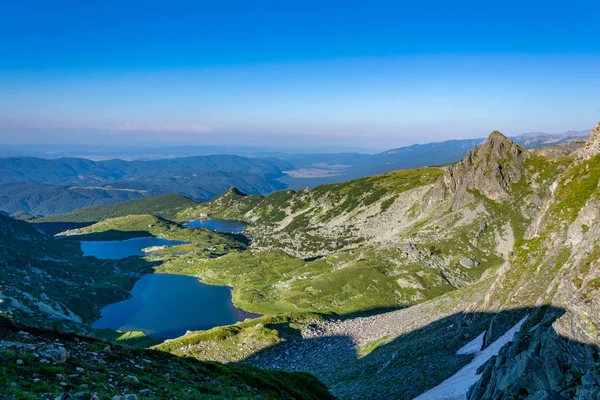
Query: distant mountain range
43	186
340	167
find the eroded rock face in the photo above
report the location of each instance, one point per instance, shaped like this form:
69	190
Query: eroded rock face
490	168
540	365
592	146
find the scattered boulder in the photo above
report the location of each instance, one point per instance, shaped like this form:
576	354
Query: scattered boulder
468	262
56	354
409	283
86	396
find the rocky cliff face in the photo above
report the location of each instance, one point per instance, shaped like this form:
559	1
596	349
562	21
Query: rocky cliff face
592	146
557	356
490	168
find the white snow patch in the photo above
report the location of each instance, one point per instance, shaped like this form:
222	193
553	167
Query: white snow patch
457	386
473	347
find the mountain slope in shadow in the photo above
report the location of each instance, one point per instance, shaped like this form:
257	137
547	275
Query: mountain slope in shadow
538	363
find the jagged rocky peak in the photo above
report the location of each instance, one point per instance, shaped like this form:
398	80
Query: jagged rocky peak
235	191
490	168
592	146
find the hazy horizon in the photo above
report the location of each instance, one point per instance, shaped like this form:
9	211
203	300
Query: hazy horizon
375	76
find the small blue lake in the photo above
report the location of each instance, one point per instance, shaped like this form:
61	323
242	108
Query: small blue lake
218	225
166	306
114	250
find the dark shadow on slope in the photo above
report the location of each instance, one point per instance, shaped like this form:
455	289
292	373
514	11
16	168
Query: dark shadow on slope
371	311
240	237
315	258
52	228
537	362
110	235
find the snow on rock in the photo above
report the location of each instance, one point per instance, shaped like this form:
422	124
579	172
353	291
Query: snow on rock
473	347
457	386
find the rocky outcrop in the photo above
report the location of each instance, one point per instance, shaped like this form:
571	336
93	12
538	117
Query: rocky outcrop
490	168
592	146
540	365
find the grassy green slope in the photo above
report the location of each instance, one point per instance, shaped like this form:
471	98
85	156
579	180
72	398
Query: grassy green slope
108	370
363	269
271	282
345	198
166	206
238	341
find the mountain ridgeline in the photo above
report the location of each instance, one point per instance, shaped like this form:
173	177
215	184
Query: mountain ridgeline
57	186
41	186
476	280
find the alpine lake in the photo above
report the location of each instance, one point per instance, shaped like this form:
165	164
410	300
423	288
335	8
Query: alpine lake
166	306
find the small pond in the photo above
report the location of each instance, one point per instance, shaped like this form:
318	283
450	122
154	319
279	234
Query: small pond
218	225
114	250
166	306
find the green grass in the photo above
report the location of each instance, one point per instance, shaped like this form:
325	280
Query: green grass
273	282
578	185
125	370
149	225
238	341
166	206
130	339
368	348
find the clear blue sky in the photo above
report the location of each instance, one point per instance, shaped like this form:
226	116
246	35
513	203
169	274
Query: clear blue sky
348	73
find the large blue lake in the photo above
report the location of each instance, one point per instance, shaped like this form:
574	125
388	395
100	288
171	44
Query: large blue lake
114	250
218	225
166	306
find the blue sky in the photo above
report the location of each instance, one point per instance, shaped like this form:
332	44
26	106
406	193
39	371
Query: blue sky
345	73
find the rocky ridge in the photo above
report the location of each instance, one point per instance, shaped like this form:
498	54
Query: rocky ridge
490	168
592	145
